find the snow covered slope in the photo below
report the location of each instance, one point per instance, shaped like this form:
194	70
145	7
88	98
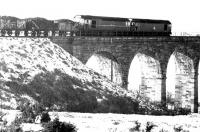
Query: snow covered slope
21	59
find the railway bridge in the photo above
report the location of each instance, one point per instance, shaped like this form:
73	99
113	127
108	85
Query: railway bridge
161	68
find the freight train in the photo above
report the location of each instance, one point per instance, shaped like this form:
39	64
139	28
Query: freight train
84	25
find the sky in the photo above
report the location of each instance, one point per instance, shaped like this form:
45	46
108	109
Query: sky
183	14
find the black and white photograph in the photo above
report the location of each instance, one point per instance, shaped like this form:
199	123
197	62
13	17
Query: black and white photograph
99	66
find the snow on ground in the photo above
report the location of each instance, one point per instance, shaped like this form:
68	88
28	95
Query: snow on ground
9	115
99	122
87	122
32	56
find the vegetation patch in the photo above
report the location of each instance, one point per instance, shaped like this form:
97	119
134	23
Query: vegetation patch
57	126
59	91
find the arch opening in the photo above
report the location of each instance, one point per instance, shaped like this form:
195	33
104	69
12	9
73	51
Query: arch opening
106	64
145	77
180	81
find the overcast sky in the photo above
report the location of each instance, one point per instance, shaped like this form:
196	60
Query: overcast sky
184	14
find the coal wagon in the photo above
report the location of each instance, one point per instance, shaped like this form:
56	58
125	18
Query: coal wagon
11	25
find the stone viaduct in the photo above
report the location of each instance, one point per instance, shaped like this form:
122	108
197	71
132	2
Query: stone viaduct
157	67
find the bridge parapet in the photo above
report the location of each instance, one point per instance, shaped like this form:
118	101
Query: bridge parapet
136	38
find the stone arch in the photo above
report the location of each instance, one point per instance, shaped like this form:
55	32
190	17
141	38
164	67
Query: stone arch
180	80
106	64
145	76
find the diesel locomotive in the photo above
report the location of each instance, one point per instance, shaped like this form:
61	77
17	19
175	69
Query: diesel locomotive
83	25
114	26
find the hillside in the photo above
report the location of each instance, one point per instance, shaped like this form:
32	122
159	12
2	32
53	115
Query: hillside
38	70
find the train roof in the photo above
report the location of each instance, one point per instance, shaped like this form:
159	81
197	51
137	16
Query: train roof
104	18
150	21
125	19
